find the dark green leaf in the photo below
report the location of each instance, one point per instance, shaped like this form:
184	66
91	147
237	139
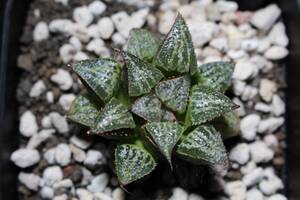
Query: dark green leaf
142	76
84	110
203	144
132	163
114	116
165	135
206	104
142	44
177	52
216	75
148	107
101	75
228	124
174	93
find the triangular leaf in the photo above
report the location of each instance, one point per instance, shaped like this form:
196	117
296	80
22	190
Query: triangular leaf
203	144
148	107
174	93
142	44
114	116
101	75
216	75
227	124
177	52
84	110
142	77
165	135
132	163
206	104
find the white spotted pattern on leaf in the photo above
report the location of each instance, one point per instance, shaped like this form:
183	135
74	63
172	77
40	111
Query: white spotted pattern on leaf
132	163
101	75
142	76
177	52
204	144
174	93
206	104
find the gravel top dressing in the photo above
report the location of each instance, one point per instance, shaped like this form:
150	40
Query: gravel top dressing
59	161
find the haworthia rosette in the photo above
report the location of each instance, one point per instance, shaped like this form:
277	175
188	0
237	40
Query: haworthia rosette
132	163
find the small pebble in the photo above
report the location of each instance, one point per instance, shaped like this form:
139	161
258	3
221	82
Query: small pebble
269	125
253	177
63	79
63	154
40	32
47	192
52	175
83	15
244	70
97	7
179	193
249	126
31	181
236	190
106	27
66	100
93	158
67	52
28	124
59	122
98	183
276	53
37	89
25	157
264	18
118	194
254	194
260	152
267	88
240	153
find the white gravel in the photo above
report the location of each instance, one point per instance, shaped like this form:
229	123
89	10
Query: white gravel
24	158
28	124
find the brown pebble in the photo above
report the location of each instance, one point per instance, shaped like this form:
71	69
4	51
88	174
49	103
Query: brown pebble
25	62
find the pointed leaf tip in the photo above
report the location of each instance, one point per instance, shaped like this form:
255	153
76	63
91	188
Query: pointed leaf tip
142	76
177	52
148	107
142	44
206	104
203	145
165	135
216	75
101	75
174	93
84	110
132	163
115	116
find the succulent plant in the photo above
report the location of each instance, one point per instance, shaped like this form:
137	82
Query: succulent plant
159	102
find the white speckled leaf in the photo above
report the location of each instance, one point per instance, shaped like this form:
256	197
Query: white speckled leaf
228	124
114	116
177	52
84	110
165	135
142	76
203	144
168	116
132	163
174	93
101	75
216	75
148	107
142	44
206	104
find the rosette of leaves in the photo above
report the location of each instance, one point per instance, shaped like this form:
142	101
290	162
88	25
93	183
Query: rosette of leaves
157	103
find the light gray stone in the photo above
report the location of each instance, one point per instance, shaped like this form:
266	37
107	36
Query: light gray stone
63	79
249	126
83	15
260	152
40	32
37	89
264	18
276	53
31	181
52	175
98	183
240	153
28	124
59	122
97	7
24	158
63	154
